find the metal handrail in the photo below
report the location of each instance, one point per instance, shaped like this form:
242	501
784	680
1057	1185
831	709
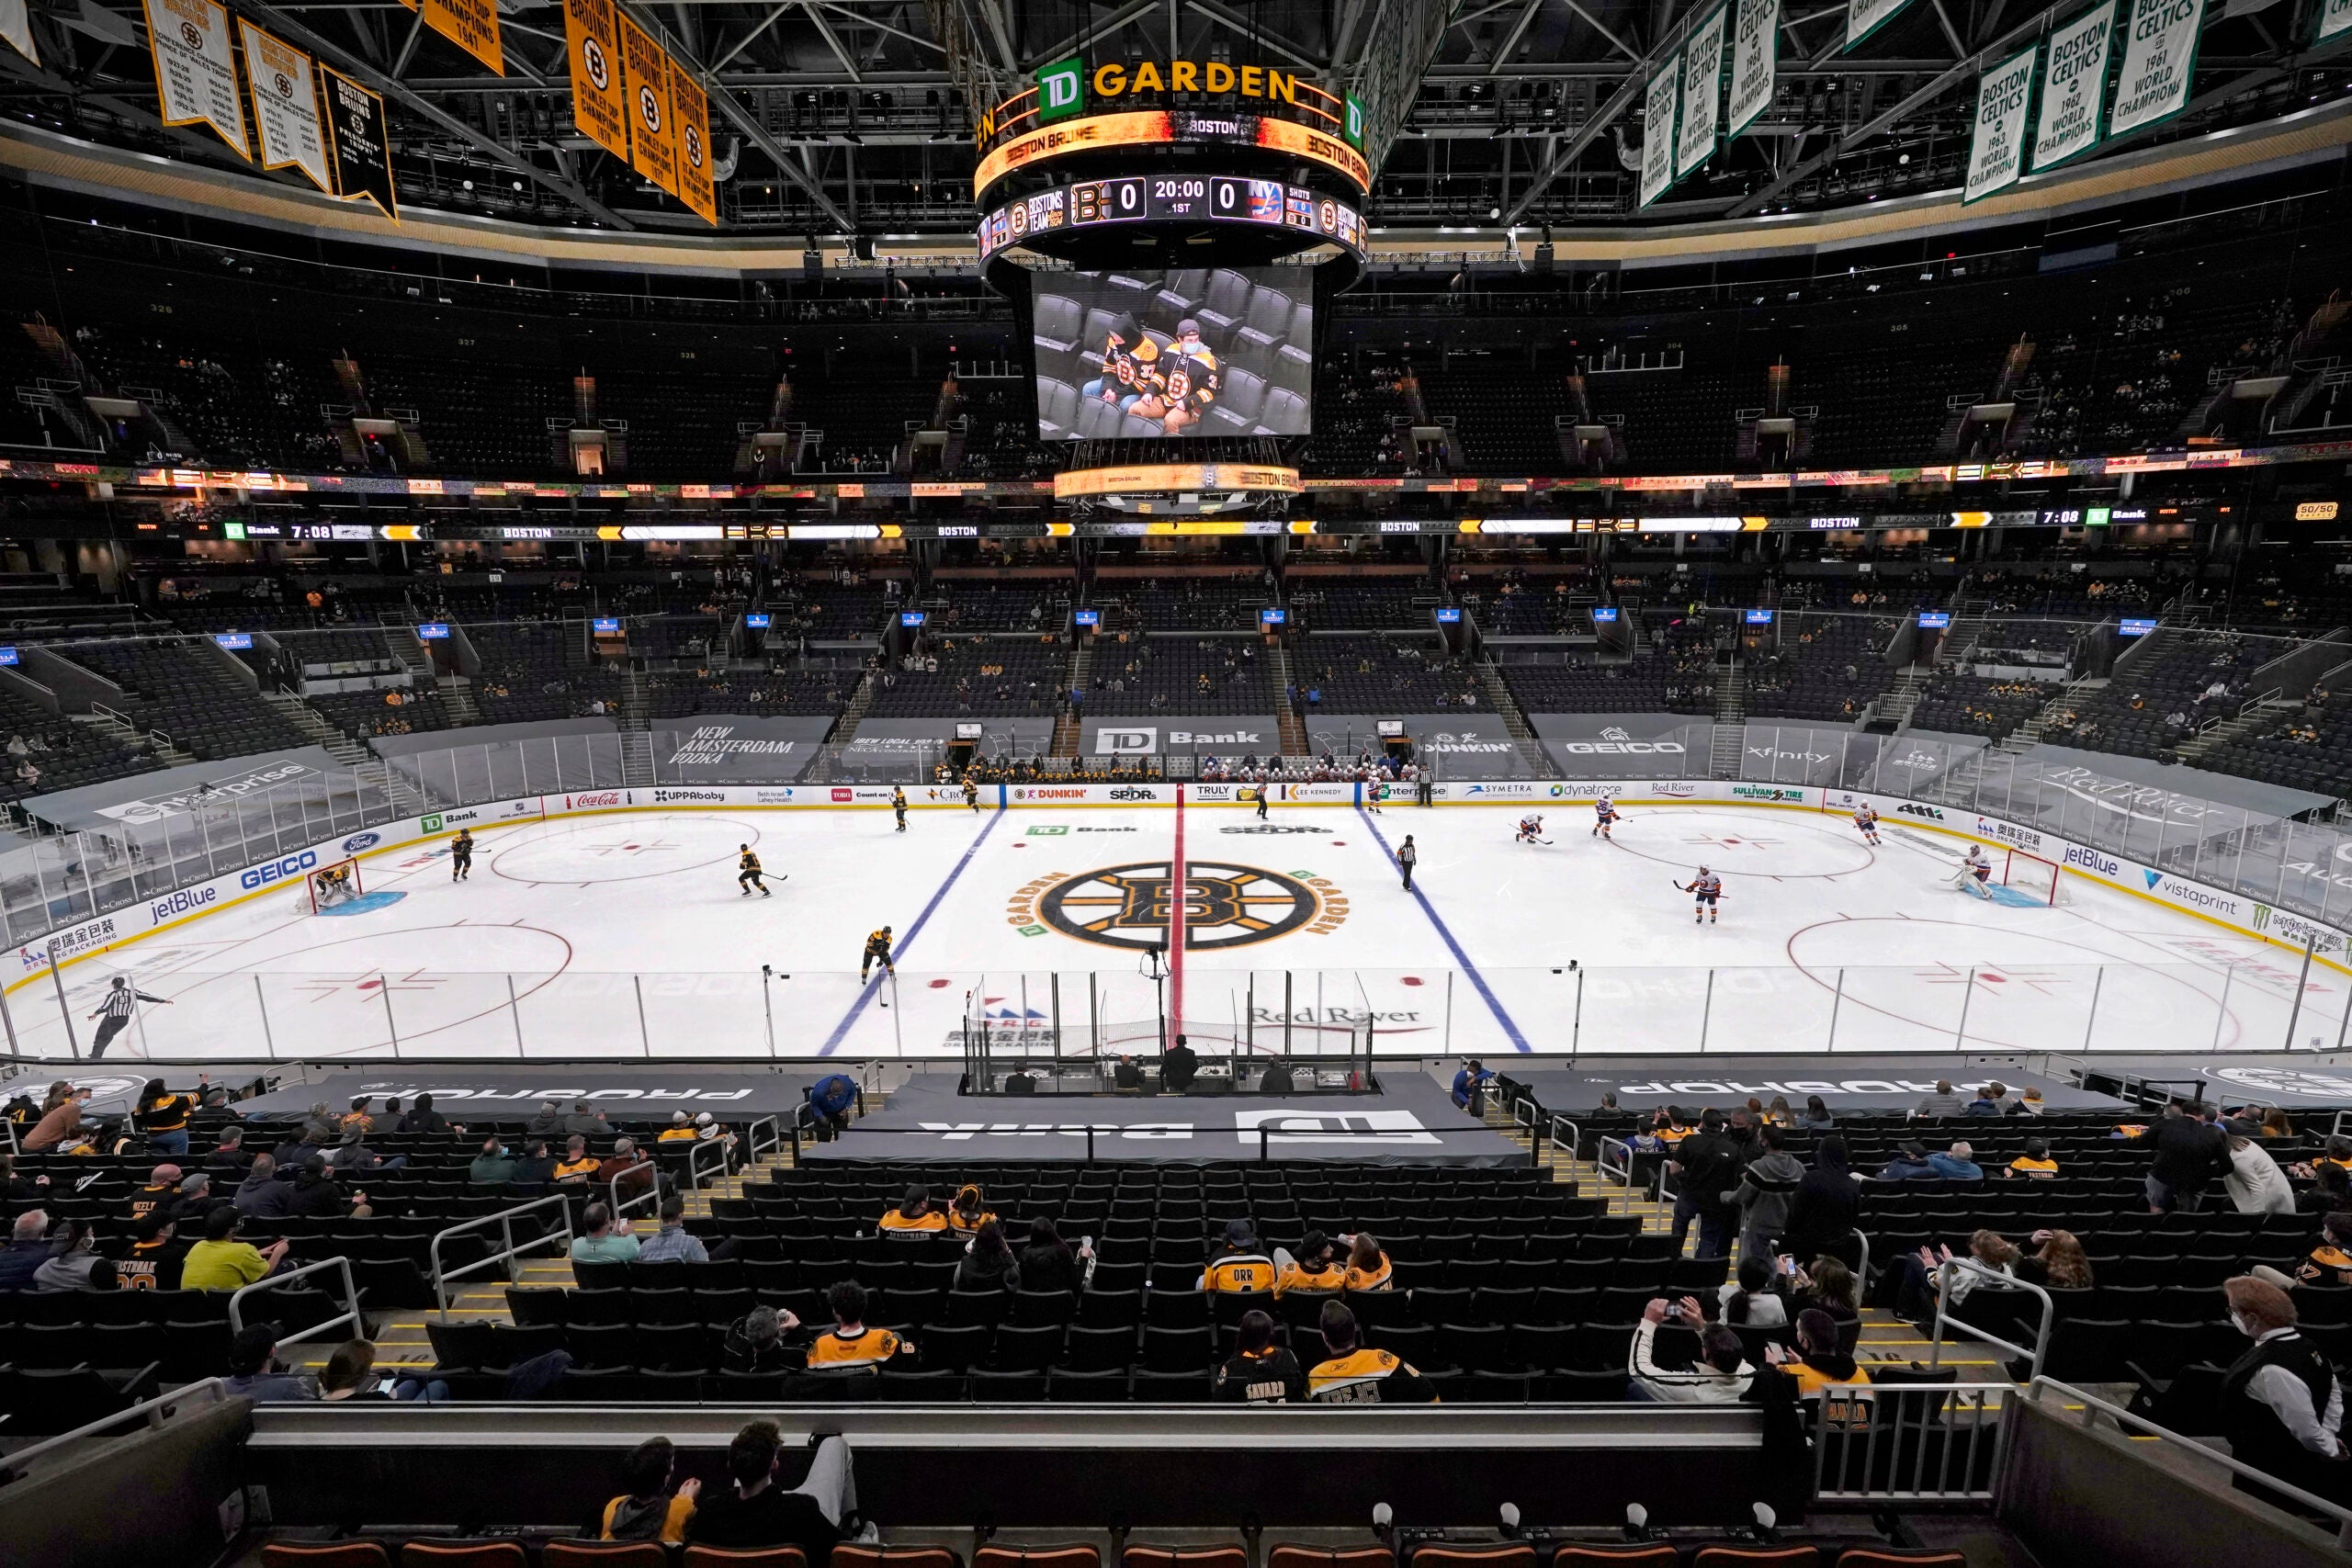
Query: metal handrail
1625	1169
753	1142
349	1315
1869	1448
504	1220
653	1191
1945	1273
694	1160
2094	1407
212	1391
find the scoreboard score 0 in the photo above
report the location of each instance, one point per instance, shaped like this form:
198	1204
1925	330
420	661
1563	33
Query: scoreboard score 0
1145	198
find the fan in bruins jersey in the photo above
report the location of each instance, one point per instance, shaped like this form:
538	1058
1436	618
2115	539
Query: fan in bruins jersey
1130	362
1186	382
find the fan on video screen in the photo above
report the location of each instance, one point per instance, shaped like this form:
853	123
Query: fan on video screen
1192	352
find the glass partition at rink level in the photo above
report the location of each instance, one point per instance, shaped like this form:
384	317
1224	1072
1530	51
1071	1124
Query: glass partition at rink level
264	1012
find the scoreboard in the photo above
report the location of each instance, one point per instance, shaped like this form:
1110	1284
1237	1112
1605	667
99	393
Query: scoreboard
1174	196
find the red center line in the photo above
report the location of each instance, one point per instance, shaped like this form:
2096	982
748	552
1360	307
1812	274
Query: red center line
1177	893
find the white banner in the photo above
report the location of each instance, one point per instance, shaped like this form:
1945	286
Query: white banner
1657	131
196	67
285	107
1755	58
2004	105
2073	87
2334	16
2159	58
17	27
1703	96
1864	17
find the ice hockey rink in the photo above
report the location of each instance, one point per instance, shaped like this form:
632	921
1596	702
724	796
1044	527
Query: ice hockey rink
625	936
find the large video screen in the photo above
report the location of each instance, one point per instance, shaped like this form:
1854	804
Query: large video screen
1227	350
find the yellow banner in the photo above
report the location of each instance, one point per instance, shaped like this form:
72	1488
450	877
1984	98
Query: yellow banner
472	26
652	126
593	45
693	111
1154	477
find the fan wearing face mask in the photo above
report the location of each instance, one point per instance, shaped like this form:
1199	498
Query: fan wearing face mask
2282	1404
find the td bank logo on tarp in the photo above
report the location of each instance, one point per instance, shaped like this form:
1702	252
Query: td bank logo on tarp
1061	89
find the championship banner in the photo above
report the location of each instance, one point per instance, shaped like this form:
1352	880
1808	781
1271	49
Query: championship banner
693	112
363	155
2159	60
472	26
2073	87
17	27
2334	16
286	107
1755	59
652	132
1703	96
1864	17
591	43
196	67
2004	97
1657	131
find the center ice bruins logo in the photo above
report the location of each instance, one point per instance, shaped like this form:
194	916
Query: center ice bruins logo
1226	904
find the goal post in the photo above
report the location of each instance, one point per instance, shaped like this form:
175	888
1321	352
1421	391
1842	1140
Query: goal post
327	886
2037	878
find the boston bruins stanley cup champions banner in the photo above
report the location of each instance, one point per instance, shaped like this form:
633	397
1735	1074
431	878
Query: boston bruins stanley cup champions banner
599	106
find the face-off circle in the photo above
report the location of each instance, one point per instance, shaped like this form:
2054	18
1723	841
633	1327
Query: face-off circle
1226	904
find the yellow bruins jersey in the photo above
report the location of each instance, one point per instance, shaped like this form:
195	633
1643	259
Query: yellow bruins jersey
1238	1271
1366	1377
1810	1381
2325	1265
1327	1280
898	1223
2024	1165
877	945
835	1351
966	1224
1371	1279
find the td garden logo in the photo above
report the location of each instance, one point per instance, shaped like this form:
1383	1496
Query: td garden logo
1226	904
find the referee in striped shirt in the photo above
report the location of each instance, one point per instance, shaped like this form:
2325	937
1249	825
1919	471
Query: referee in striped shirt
117	1009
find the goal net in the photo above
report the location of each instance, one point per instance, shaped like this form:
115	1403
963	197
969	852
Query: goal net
332	884
2037	878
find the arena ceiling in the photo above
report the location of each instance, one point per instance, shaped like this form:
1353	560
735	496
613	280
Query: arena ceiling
837	118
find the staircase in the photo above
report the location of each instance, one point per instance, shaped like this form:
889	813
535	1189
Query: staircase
633	705
636	760
1505	707
2027	736
457	694
129	734
1075	677
1731	723
1894	707
1286	718
2245	721
314	724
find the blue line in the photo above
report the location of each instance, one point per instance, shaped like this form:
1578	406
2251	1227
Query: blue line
840	1032
1494	1004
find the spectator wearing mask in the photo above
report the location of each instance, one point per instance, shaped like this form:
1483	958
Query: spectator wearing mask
1720	1376
1240	1265
73	1262
491	1168
754	1343
2188	1155
2329	1262
629	1168
672	1243
649	1510
1313	1270
1352	1374
317	1195
162	1191
2253	1182
754	1512
1048	1263
1826	1206
577	1168
352	1156
606	1240
1706	1167
988	1263
60	1127
850	1346
1754	1299
969	1211
254	1371
2330	1191
1260	1371
1990	1100
536	1170
2281	1403
916	1217
829	1099
221	1262
231	1159
153	1259
1827	1285
1768	1185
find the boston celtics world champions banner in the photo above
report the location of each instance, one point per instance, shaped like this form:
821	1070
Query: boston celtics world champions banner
2004	99
2073	87
2159	61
